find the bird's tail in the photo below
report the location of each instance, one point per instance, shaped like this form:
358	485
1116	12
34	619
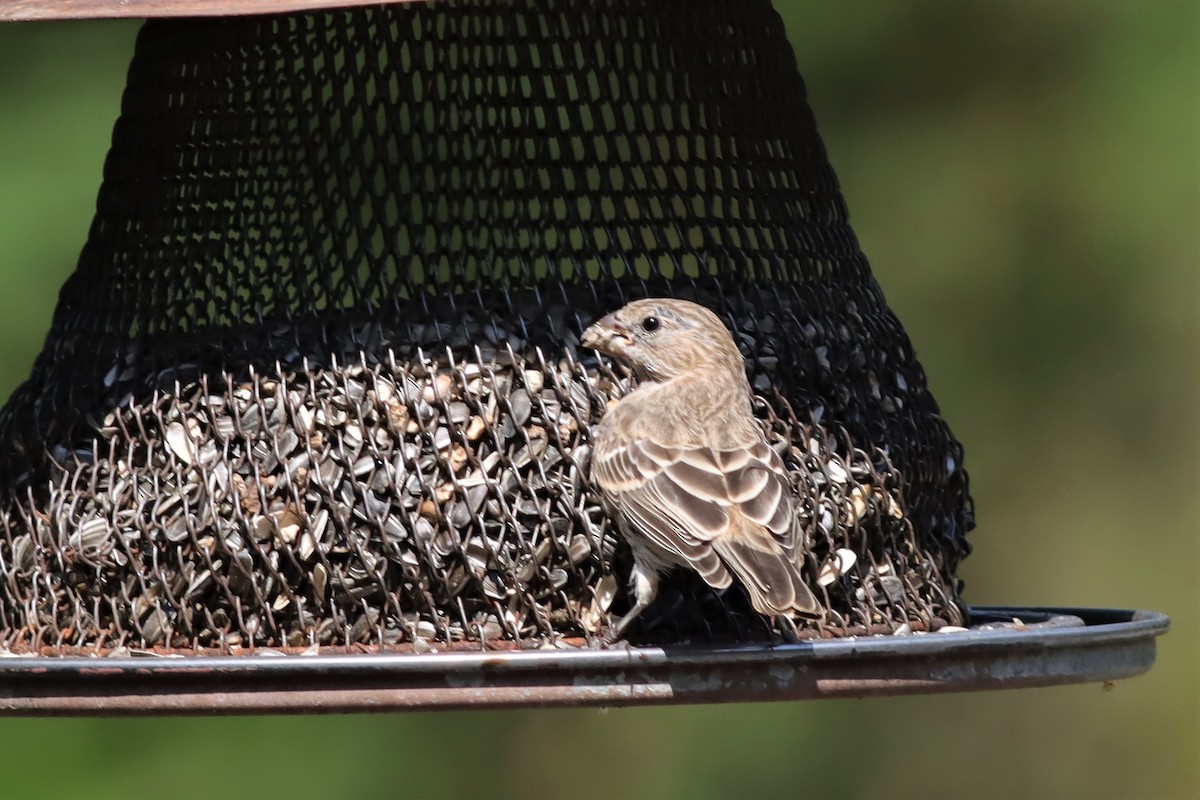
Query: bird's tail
771	577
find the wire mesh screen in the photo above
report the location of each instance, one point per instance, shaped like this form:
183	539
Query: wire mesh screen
316	379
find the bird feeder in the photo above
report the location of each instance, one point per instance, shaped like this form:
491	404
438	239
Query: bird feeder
315	388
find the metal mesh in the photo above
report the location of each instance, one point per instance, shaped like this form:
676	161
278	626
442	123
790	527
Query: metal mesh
316	379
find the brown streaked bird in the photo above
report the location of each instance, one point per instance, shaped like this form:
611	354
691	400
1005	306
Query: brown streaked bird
684	466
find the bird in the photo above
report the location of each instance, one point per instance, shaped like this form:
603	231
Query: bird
684	466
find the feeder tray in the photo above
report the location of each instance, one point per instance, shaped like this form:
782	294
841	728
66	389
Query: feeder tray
1049	647
316	386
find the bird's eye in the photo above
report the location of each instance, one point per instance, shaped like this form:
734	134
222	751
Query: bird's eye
651	324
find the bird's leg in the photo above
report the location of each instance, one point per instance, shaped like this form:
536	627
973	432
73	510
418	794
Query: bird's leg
644	580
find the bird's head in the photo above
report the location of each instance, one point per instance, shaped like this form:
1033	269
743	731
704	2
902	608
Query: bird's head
661	339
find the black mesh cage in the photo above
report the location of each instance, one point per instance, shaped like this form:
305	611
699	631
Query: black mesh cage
317	378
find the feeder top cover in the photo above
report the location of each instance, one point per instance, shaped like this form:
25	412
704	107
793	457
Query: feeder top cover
30	10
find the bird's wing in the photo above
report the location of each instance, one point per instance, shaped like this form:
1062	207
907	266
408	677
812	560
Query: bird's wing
715	510
757	484
632	473
758	542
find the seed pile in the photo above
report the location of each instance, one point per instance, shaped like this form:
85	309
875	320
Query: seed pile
417	498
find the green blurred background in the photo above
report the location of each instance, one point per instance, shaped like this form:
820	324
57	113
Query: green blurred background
1024	177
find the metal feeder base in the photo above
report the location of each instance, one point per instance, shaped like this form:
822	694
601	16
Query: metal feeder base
1047	647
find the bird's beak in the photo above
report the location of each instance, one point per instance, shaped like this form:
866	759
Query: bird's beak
607	336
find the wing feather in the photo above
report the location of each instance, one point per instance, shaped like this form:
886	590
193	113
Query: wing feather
716	511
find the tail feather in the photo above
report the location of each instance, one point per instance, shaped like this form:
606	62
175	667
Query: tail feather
770	577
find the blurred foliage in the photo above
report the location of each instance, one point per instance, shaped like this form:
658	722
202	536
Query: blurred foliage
1024	177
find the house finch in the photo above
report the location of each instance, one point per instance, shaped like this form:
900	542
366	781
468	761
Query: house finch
683	465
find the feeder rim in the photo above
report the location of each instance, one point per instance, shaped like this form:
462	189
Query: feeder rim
1056	646
46	10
